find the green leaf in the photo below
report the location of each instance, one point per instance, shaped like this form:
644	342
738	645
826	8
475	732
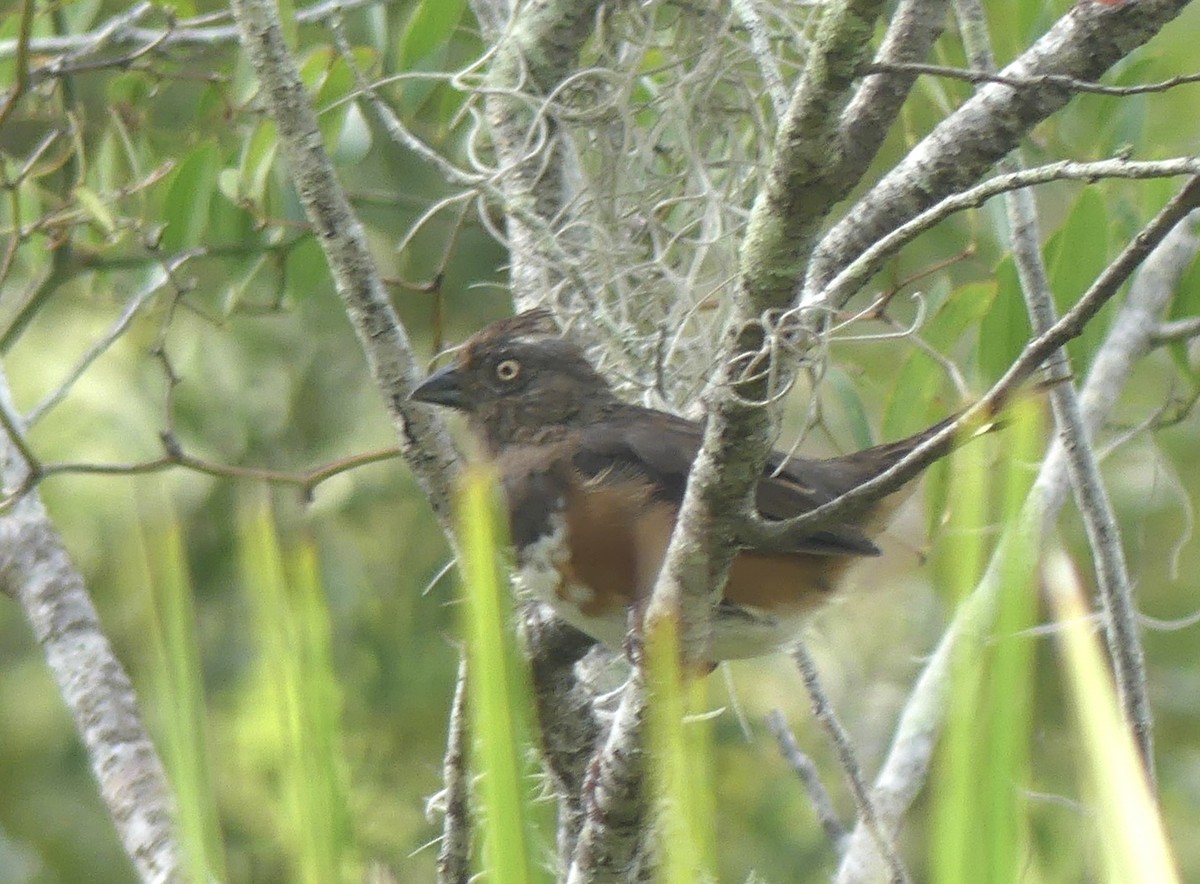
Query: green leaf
1005	328
499	691
1075	256
354	140
846	393
189	196
429	28
921	378
966	306
919	381
178	683
96	209
1129	829
258	156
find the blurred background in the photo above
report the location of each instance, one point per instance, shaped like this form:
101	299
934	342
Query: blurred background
268	375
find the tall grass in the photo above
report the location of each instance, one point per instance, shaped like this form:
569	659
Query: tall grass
300	696
177	689
979	822
1129	833
679	740
498	691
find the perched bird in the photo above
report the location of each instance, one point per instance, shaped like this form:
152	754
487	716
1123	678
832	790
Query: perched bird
593	486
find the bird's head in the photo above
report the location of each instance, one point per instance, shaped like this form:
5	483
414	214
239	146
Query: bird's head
518	381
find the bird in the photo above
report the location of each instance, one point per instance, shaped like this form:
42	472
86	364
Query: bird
593	485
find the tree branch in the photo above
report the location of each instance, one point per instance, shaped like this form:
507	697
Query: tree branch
850	280
905	768
1036	352
36	570
454	854
1104	537
121	31
538	50
807	773
983	75
424	442
1083	44
863	800
914	28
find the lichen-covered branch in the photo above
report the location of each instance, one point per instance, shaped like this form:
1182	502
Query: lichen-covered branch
36	570
424	442
914	28
1083	44
454	852
784	221
616	807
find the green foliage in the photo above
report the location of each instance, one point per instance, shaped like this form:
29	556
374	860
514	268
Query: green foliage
498	689
298	701
981	819
1075	255
178	689
680	760
1129	835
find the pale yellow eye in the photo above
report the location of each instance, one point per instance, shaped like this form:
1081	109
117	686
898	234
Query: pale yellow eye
508	370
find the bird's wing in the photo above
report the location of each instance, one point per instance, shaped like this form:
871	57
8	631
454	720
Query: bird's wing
658	448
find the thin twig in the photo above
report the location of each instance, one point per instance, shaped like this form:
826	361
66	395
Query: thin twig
760	46
199	31
454	854
1175	331
863	800
1074	84
907	763
810	778
1104	536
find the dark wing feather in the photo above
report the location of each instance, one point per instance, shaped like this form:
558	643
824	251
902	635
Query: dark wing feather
658	448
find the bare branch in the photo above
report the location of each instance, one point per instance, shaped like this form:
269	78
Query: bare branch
158	279
1175	331
538	50
760	45
36	570
982	75
454	854
202	31
863	801
807	773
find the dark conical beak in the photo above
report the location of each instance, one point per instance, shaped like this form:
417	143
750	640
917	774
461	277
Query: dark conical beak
443	387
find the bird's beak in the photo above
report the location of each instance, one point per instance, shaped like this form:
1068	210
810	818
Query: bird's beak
443	387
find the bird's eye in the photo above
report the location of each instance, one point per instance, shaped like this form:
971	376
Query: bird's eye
508	369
